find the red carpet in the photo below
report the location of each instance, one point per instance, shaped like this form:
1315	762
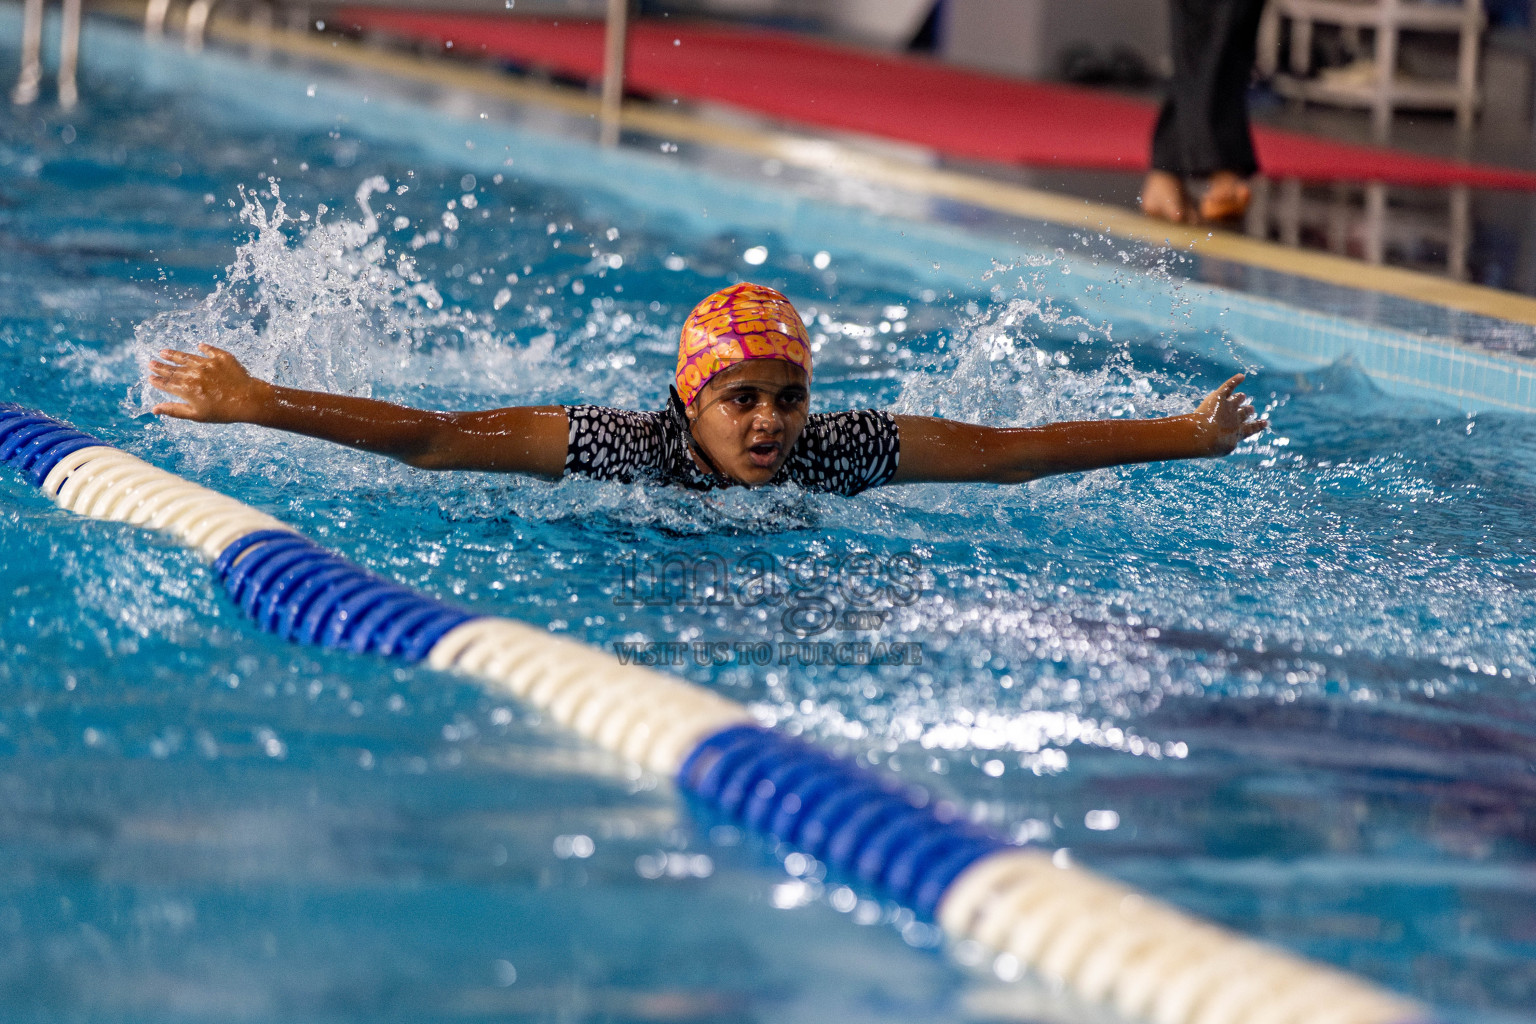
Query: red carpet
959	113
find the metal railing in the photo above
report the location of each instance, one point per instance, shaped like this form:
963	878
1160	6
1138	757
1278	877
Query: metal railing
157	12
615	37
29	82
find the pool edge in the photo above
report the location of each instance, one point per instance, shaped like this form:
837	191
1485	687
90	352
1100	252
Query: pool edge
829	156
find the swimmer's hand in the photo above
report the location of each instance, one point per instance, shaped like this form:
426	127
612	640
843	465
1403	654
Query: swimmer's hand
213	387
1225	418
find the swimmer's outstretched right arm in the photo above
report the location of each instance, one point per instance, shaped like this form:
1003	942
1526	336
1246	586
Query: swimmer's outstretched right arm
214	388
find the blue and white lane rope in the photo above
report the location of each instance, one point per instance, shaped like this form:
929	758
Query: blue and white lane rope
1104	941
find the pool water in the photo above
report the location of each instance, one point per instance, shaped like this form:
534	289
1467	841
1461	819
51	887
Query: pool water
1291	690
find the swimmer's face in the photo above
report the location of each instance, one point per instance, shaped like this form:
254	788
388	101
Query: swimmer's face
749	416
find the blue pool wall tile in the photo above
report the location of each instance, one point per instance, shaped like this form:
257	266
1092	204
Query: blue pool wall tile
1399	363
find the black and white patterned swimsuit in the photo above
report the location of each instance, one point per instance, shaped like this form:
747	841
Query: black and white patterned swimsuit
841	452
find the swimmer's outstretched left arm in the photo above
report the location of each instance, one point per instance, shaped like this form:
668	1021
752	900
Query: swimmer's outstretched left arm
214	388
946	450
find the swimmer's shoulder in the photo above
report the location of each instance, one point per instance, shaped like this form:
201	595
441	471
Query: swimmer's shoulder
846	452
852	424
609	443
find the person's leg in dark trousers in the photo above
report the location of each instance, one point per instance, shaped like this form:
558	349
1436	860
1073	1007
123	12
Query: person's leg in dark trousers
1202	130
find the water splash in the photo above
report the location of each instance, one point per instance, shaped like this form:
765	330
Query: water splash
1011	363
330	304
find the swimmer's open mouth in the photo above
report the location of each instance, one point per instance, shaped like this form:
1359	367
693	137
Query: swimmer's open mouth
764	453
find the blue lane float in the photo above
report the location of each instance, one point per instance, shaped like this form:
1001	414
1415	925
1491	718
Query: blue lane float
295	588
860	824
33	443
1104	941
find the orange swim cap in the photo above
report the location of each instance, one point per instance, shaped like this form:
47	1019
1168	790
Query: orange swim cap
744	321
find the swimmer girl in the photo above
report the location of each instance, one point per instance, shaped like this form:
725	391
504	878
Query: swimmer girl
739	415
